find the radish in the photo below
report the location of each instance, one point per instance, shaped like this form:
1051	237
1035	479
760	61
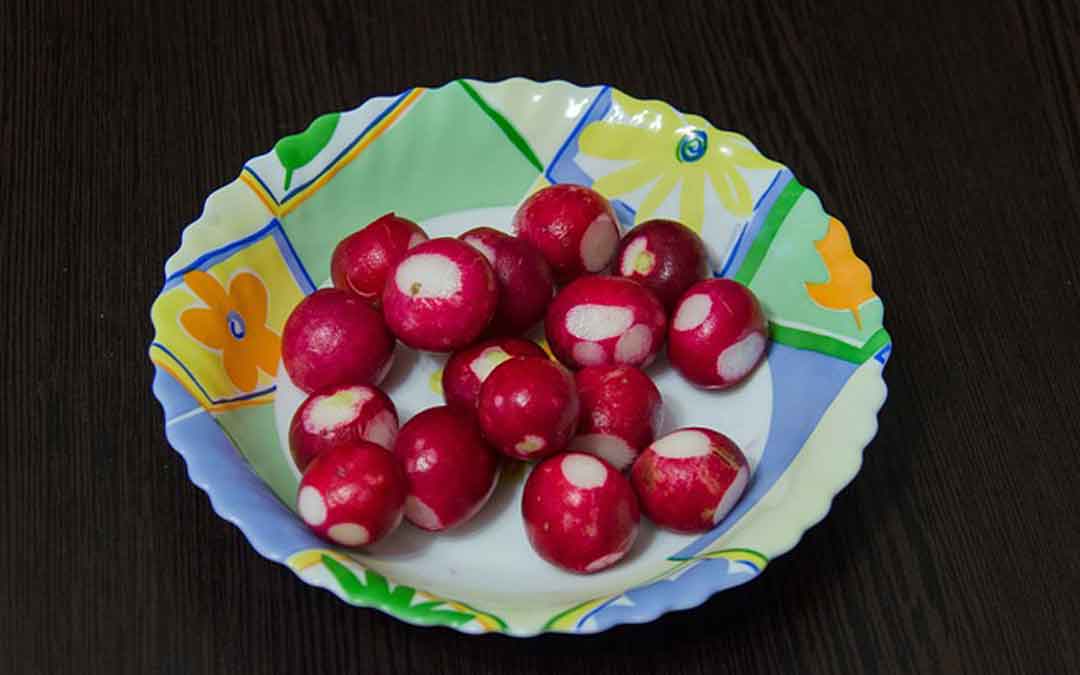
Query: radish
339	415
665	257
573	227
523	276
528	407
334	337
440	296
451	470
620	413
690	479
362	261
580	513
605	320
353	495
718	334
467	369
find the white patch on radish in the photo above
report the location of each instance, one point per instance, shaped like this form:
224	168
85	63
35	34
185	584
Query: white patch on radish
692	312
312	506
598	322
588	353
615	450
331	412
634	345
382	430
604	561
630	255
415	240
484	249
428	275
349	534
599	242
487	361
583	471
739	358
421	514
683	445
530	444
731	496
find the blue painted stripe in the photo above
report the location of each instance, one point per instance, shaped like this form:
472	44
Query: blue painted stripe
293	262
757	221
219	254
734	249
883	354
242	397
260	181
574	133
378	118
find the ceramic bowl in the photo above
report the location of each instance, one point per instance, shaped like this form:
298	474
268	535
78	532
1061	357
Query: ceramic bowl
464	155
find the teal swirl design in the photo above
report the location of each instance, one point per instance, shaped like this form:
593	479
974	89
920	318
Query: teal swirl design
692	146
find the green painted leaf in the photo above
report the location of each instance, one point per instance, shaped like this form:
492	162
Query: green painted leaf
376	593
298	150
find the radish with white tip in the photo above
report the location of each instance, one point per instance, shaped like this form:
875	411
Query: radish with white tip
621	413
523	276
718	334
440	296
605	320
362	261
664	256
353	495
580	512
690	479
339	415
334	337
528	407
466	370
451	470
572	226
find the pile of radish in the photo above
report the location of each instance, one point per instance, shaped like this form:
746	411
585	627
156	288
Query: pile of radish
590	419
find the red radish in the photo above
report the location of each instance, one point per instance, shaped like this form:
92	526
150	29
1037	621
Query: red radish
580	513
334	337
690	479
603	320
451	470
339	415
362	261
573	227
528	407
467	369
664	256
523	276
353	495
718	334
620	413
441	295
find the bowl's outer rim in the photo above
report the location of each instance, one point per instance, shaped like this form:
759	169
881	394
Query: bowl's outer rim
866	418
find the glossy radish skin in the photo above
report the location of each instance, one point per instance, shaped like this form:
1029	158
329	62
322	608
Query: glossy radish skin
580	513
341	414
451	470
523	276
690	479
664	256
440	296
334	337
467	369
718	334
528	407
362	261
353	495
605	320
572	226
621	412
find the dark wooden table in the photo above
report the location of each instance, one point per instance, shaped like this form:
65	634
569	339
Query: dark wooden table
946	135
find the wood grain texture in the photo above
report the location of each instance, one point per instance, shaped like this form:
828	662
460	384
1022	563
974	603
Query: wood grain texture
946	136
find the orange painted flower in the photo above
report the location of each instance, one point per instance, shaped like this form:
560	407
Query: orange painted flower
233	323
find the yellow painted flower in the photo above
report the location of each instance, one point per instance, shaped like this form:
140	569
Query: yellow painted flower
668	149
234	324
